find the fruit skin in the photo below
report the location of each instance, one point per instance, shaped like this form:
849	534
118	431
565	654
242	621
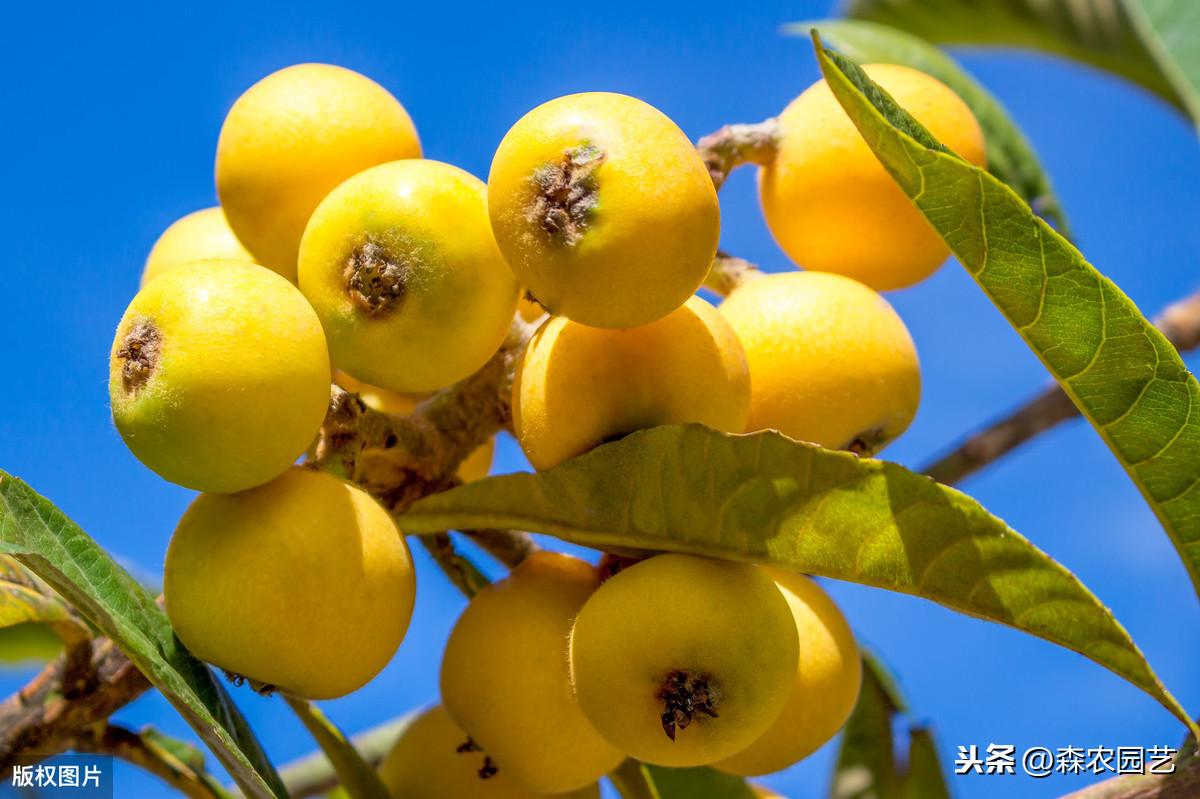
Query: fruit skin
722	620
641	232
240	381
577	386
830	360
833	207
304	584
505	676
825	686
452	298
475	466
290	139
424	765
200	236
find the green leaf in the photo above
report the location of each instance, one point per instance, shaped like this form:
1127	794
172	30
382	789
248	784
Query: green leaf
1009	154
1108	34
924	778
869	765
357	777
1118	369
1171	30
634	780
866	761
764	498
38	534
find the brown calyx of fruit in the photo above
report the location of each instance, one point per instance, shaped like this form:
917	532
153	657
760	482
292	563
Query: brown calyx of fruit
867	443
489	768
567	193
375	278
139	349
684	697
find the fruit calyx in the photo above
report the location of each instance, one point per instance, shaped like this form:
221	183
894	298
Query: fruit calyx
139	349
567	192
375	278
685	696
867	443
489	768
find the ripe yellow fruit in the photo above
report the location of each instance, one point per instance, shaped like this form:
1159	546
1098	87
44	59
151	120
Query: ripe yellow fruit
603	209
304	584
506	680
432	760
400	264
830	361
832	206
290	139
763	792
200	236
219	376
684	661
476	465
824	689
578	387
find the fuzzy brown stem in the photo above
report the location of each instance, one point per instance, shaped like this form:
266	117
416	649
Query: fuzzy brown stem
465	575
1180	323
735	145
402	459
510	547
728	272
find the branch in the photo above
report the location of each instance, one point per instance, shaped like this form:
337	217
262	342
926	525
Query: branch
735	145
1184	783
728	272
510	547
134	748
1180	323
465	575
49	715
400	459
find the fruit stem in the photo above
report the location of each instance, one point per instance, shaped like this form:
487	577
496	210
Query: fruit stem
735	145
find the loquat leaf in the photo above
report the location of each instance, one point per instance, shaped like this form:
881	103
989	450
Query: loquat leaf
1118	369
44	540
764	498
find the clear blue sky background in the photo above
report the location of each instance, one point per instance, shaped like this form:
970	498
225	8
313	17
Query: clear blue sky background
111	119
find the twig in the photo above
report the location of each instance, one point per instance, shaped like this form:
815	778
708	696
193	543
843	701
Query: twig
510	547
465	575
401	459
728	272
735	145
45	718
133	748
1180	323
1184	783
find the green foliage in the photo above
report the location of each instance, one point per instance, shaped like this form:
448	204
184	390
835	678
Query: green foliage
764	498
357	778
866	765
1009	155
1171	30
43	539
869	765
1121	372
1139	40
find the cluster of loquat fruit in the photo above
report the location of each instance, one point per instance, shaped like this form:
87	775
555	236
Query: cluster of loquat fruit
338	253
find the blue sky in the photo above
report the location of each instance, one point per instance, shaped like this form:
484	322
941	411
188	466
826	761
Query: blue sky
112	116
